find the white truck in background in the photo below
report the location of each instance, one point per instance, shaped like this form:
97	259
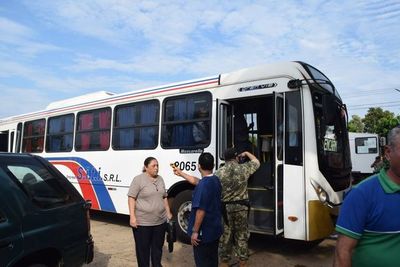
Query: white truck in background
364	148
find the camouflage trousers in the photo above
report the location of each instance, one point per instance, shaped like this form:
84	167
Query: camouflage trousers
235	237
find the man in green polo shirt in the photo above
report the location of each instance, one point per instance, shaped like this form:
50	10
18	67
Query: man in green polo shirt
369	219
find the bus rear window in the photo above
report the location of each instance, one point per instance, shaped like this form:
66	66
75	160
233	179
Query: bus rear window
33	139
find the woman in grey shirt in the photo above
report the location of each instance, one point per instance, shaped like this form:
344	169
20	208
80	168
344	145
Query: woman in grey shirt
149	210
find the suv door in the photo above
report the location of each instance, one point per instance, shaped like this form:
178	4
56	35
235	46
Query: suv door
10	228
41	211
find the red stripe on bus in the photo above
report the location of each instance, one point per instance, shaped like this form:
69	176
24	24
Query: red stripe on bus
84	183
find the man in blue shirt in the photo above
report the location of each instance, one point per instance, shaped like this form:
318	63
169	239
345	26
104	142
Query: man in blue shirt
369	220
205	224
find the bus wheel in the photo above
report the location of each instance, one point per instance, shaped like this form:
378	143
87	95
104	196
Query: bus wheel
181	208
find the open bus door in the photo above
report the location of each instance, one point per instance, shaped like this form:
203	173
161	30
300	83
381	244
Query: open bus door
290	194
7	141
4	136
224	129
279	130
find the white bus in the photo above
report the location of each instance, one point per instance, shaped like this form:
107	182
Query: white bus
364	148
296	126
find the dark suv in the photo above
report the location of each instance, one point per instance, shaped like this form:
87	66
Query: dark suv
44	221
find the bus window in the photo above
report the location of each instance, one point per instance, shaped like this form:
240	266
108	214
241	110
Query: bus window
186	121
19	136
136	126
293	147
60	133
93	130
225	128
12	141
33	139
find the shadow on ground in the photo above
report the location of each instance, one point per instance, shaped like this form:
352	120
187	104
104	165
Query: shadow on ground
286	246
108	217
101	259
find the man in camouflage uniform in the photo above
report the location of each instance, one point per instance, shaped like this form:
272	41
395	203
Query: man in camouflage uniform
234	177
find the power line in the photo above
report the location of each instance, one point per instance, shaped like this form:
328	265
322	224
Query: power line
376	103
367	107
363	94
370	92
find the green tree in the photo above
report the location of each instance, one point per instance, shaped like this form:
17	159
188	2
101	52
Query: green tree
355	124
379	121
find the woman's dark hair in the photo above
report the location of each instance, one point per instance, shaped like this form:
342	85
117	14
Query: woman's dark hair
206	161
147	162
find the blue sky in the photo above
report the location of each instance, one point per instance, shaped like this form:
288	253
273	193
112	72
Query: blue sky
53	50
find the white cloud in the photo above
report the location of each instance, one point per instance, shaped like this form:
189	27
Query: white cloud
20	38
14	104
12	32
10	69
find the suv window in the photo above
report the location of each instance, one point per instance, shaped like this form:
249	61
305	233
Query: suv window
43	187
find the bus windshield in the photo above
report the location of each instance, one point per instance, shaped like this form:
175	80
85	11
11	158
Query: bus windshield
332	142
323	81
331	131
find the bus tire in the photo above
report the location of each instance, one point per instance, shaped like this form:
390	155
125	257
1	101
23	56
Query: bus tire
181	208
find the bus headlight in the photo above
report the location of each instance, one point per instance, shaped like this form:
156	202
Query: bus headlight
322	195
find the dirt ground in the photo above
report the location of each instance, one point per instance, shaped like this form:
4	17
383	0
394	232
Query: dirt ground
114	246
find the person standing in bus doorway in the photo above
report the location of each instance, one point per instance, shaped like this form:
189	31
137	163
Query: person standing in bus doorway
235	201
149	211
241	132
369	219
205	221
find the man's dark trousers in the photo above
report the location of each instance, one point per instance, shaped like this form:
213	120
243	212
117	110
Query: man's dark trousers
206	255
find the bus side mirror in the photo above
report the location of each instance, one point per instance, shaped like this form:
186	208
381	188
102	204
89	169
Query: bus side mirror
294	84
